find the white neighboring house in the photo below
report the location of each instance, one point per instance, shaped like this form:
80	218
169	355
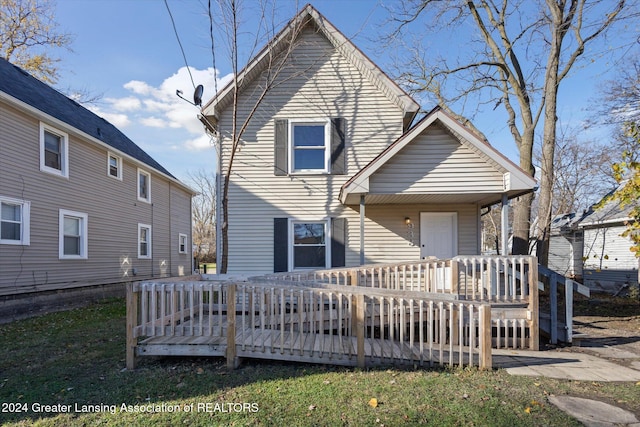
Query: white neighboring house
609	265
331	172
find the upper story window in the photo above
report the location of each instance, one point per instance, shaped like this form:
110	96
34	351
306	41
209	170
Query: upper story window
114	166
309	145
182	243
144	186
73	235
54	151
14	221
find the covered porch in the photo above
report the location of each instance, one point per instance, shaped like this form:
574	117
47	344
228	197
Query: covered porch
435	180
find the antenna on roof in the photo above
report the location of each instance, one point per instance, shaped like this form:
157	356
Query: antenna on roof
197	96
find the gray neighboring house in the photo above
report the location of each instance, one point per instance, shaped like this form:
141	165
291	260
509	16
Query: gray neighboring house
609	265
565	246
83	208
331	171
590	248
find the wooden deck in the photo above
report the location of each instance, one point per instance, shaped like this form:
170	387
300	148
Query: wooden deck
307	347
424	313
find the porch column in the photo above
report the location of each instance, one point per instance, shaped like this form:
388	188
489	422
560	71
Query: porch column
504	225
362	229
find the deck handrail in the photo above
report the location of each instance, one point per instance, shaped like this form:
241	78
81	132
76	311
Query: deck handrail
252	317
483	278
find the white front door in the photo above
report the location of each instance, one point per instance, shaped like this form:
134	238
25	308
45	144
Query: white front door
439	234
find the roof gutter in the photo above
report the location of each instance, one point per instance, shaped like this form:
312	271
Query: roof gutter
71	129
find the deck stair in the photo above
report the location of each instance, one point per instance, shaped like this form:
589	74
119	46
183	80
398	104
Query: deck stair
556	307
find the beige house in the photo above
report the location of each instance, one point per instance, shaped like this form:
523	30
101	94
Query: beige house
83	207
331	171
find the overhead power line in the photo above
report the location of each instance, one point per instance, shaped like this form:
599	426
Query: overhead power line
175	31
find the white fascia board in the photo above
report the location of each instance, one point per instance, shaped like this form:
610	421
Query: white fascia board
40	115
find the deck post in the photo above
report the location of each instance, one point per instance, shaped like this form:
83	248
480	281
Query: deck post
360	308
455	290
231	326
553	293
132	319
568	313
484	361
353	277
534	309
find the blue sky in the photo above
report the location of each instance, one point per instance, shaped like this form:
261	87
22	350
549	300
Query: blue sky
126	50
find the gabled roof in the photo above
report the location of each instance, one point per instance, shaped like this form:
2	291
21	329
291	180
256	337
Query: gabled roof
609	214
24	90
310	16
516	180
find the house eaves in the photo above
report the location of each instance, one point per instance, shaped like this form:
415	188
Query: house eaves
30	95
516	180
310	16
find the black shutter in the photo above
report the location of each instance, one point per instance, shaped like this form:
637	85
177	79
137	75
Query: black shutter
280	245
338	241
280	148
338	158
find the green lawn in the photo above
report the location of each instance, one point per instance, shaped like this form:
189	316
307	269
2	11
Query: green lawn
74	361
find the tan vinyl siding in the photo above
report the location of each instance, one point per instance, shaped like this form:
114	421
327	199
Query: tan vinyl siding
435	162
318	84
387	238
111	205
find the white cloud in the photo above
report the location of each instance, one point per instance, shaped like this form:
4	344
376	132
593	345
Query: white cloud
153	122
161	108
117	119
200	143
125	104
138	87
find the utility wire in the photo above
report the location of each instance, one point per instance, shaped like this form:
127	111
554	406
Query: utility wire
175	30
213	52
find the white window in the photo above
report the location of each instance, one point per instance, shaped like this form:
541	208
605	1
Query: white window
144	241
114	166
14	221
144	186
73	235
309	146
308	246
54	151
182	243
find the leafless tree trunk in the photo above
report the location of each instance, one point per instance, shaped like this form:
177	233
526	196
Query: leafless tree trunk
527	50
271	77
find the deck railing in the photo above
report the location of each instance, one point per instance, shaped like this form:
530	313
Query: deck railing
508	282
478	278
306	321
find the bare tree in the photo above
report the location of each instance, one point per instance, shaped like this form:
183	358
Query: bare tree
273	58
203	208
517	58
28	32
582	172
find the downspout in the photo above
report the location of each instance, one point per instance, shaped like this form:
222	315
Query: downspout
362	229
218	146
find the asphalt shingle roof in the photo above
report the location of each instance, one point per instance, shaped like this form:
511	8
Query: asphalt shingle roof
21	85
